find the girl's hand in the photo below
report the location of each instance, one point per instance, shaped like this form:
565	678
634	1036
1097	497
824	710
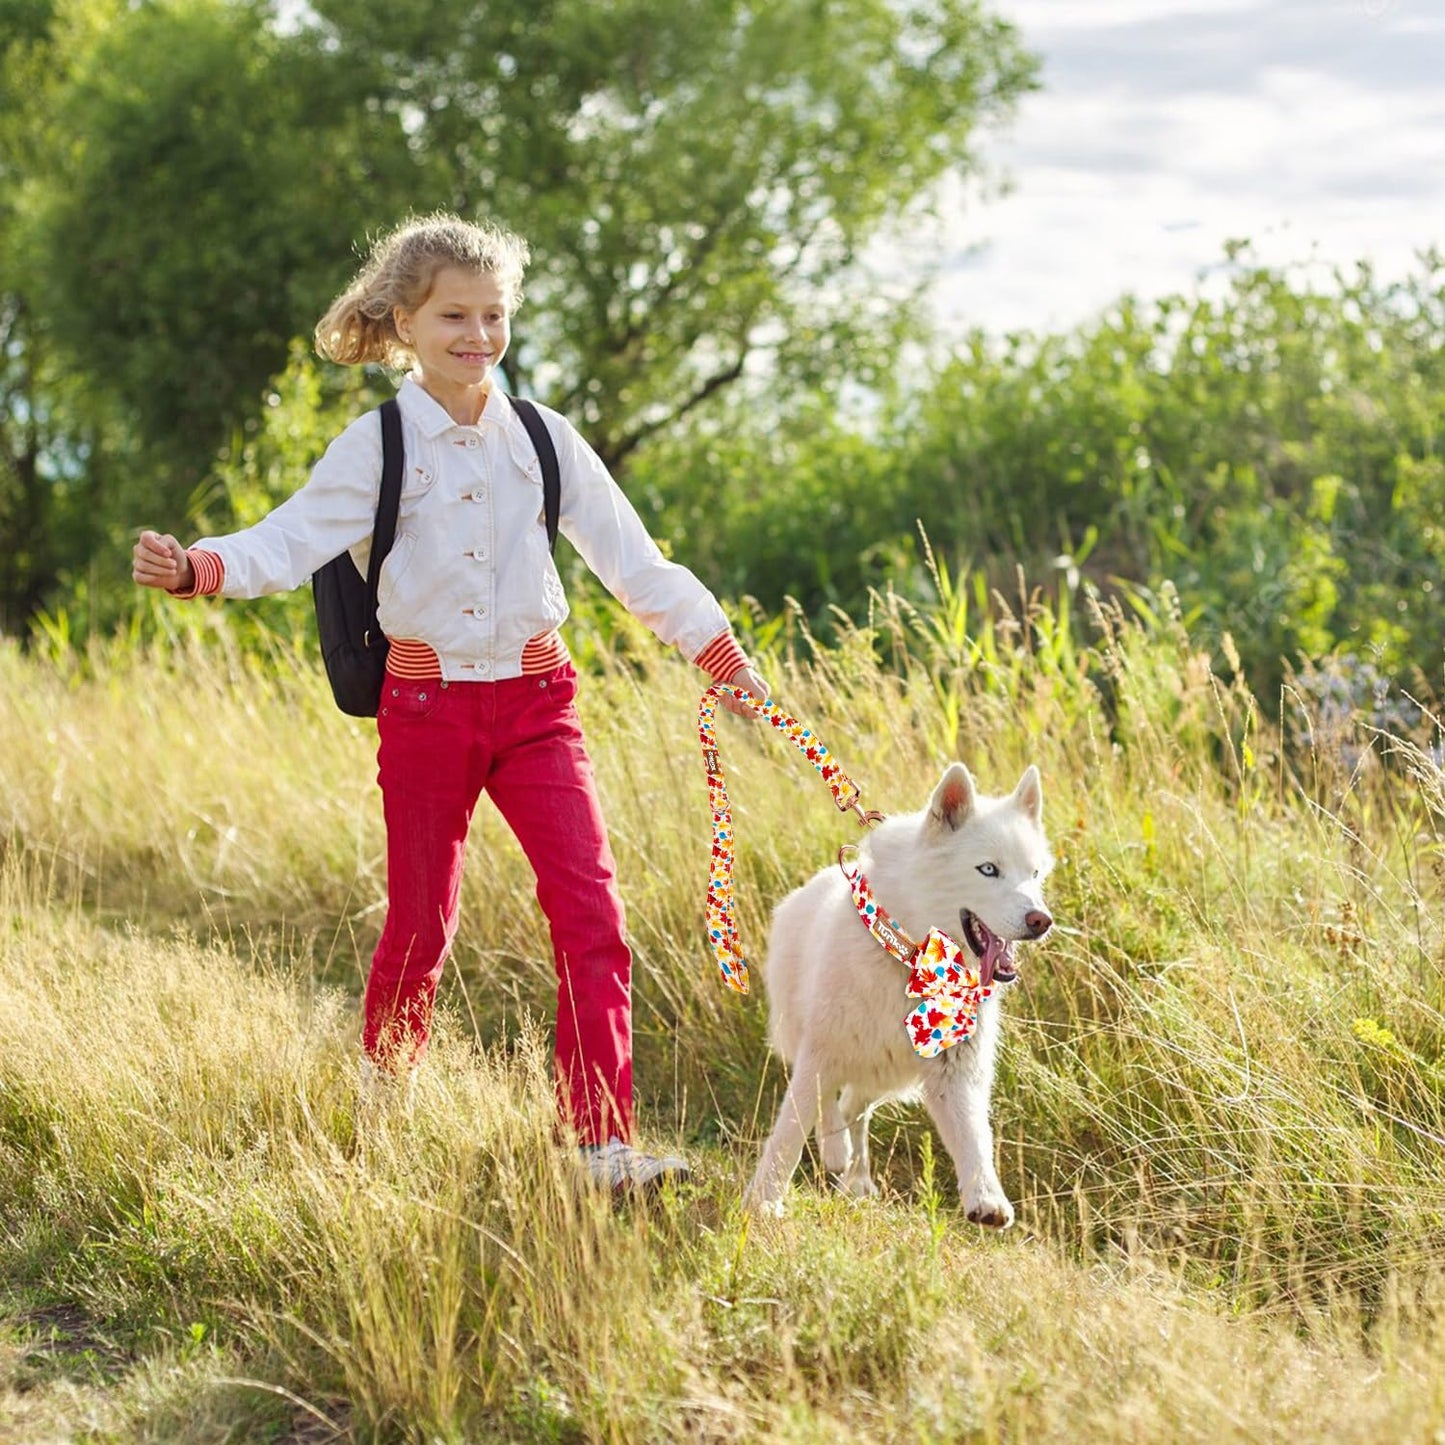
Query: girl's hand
745	677
161	561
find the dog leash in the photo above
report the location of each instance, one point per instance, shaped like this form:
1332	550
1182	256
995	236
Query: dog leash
721	932
940	973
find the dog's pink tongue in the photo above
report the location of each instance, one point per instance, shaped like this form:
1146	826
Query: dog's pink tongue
994	949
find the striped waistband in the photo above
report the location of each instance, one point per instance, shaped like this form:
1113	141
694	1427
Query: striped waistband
418	660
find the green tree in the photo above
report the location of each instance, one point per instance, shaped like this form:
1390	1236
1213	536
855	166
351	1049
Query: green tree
182	184
697	180
57	437
204	189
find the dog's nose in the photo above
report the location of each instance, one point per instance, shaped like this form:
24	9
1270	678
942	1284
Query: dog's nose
1038	922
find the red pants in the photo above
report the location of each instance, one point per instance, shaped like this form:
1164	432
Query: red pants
441	744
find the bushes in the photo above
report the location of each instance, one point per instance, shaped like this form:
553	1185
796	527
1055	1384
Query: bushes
1272	452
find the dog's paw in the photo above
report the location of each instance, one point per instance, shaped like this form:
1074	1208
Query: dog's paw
992	1211
860	1186
764	1208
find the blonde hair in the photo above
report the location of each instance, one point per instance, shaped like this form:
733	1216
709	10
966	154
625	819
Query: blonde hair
359	326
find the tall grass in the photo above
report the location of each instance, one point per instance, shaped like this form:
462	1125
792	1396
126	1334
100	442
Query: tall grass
1220	1110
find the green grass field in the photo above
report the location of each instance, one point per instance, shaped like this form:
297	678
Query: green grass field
1221	1110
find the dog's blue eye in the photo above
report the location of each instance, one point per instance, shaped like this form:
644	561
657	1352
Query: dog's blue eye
989	870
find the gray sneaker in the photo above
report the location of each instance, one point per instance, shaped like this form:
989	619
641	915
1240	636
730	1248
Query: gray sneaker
619	1167
382	1092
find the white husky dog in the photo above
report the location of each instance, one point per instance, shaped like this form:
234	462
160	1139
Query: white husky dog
969	865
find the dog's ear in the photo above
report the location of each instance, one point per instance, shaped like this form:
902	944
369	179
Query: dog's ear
1029	795
952	799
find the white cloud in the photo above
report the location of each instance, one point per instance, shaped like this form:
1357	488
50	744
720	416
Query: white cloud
1167	127
1043	15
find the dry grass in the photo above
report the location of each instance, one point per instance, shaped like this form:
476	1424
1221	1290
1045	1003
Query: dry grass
1220	1112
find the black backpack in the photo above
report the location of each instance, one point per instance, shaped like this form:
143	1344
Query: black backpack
353	646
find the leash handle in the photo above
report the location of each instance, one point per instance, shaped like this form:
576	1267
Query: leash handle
722	933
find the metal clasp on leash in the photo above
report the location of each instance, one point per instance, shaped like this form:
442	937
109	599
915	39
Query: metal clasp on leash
849	799
866	817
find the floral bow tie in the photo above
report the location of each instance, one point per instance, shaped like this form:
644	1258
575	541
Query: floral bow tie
940	973
947	981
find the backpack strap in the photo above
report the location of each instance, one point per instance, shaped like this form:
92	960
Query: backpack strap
388	504
551	472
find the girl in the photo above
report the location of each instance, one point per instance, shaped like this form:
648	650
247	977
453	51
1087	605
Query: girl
479	687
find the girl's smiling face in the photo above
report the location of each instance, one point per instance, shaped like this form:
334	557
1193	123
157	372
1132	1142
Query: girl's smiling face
458	334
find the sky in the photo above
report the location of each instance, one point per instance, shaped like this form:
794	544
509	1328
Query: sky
1164	128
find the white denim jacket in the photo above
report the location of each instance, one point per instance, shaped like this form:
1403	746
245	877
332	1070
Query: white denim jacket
470	573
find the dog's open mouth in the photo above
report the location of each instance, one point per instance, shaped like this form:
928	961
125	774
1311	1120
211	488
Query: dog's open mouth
995	957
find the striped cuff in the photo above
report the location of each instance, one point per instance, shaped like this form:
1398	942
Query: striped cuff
722	657
208	574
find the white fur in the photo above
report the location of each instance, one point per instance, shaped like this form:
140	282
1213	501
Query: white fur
837	1001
